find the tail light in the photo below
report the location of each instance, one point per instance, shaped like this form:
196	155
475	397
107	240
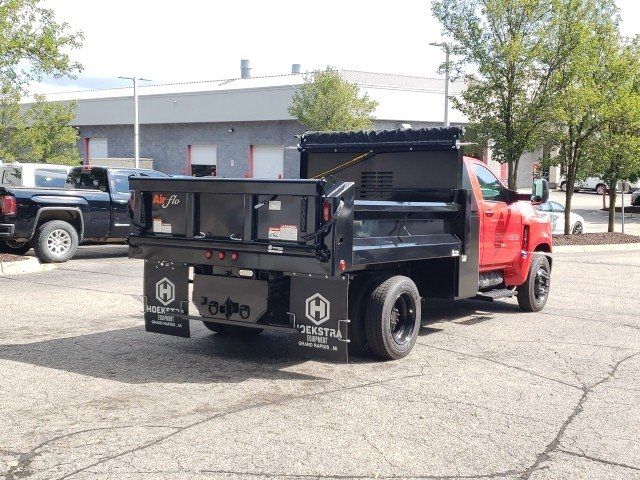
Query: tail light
525	238
8	206
326	211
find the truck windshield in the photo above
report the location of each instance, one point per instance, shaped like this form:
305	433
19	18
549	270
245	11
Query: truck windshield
87	179
11	176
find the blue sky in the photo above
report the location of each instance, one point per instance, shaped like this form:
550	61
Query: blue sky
205	39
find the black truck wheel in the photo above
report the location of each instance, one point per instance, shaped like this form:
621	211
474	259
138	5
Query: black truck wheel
17	248
55	241
392	319
233	330
533	294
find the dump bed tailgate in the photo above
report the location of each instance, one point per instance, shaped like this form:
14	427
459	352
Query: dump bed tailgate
243	219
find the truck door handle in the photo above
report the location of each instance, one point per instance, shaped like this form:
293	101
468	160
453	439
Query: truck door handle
489	213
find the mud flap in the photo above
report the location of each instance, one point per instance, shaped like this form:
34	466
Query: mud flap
320	309
166	297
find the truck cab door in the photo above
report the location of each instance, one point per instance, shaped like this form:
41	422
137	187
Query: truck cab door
120	194
495	215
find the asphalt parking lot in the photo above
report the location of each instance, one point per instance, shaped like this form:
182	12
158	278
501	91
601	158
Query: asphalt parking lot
488	392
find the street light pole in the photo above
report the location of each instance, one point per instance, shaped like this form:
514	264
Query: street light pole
446	79
136	123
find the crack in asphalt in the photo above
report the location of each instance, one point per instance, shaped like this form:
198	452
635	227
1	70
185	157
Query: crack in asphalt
514	367
508	473
21	469
553	445
598	460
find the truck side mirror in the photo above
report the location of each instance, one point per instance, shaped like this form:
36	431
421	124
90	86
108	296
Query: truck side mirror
540	191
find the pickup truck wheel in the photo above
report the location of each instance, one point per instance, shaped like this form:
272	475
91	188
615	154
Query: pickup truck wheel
233	330
563	186
17	248
601	189
55	241
392	319
533	294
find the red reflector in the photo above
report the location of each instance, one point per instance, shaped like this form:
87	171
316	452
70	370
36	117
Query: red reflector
208	254
525	238
234	256
8	205
326	211
342	265
221	255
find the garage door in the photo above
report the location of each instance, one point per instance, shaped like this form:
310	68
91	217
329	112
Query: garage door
268	161
204	159
98	148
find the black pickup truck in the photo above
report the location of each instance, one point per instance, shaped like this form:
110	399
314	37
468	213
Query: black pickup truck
93	206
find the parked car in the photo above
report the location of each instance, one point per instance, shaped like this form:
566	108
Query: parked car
596	184
590	183
93	205
33	175
556	213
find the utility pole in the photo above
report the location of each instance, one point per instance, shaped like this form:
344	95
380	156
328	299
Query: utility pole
447	71
136	123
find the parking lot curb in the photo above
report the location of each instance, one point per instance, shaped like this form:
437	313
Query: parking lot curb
609	247
30	265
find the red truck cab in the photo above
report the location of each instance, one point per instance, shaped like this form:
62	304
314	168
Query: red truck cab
511	233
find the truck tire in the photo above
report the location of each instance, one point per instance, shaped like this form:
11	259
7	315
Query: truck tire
233	330
601	189
55	241
533	294
17	248
392	319
563	186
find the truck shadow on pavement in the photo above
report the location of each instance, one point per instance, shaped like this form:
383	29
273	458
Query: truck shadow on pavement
131	355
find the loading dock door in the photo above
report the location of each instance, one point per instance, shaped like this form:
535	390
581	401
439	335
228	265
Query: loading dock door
268	161
204	160
98	148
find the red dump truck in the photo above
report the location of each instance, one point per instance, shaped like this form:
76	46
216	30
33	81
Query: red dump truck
346	257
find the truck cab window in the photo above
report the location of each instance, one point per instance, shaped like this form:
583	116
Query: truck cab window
85	179
490	186
11	176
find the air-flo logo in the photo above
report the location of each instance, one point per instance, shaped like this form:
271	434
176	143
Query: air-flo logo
164	201
165	291
317	309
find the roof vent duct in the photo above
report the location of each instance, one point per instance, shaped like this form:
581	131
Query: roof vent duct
295	68
245	68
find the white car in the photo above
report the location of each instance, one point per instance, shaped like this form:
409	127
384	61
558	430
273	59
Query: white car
556	213
590	183
33	175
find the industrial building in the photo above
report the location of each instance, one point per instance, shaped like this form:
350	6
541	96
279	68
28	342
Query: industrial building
239	127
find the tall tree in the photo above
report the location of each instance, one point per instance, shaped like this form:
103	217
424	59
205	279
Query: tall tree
580	111
326	102
11	123
49	138
512	52
33	43
618	148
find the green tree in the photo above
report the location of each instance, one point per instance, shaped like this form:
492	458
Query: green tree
49	138
33	43
11	123
617	153
513	53
326	102
579	113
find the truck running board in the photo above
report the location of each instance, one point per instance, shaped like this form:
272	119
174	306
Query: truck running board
498	293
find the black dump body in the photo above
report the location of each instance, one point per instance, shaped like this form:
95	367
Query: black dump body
367	202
